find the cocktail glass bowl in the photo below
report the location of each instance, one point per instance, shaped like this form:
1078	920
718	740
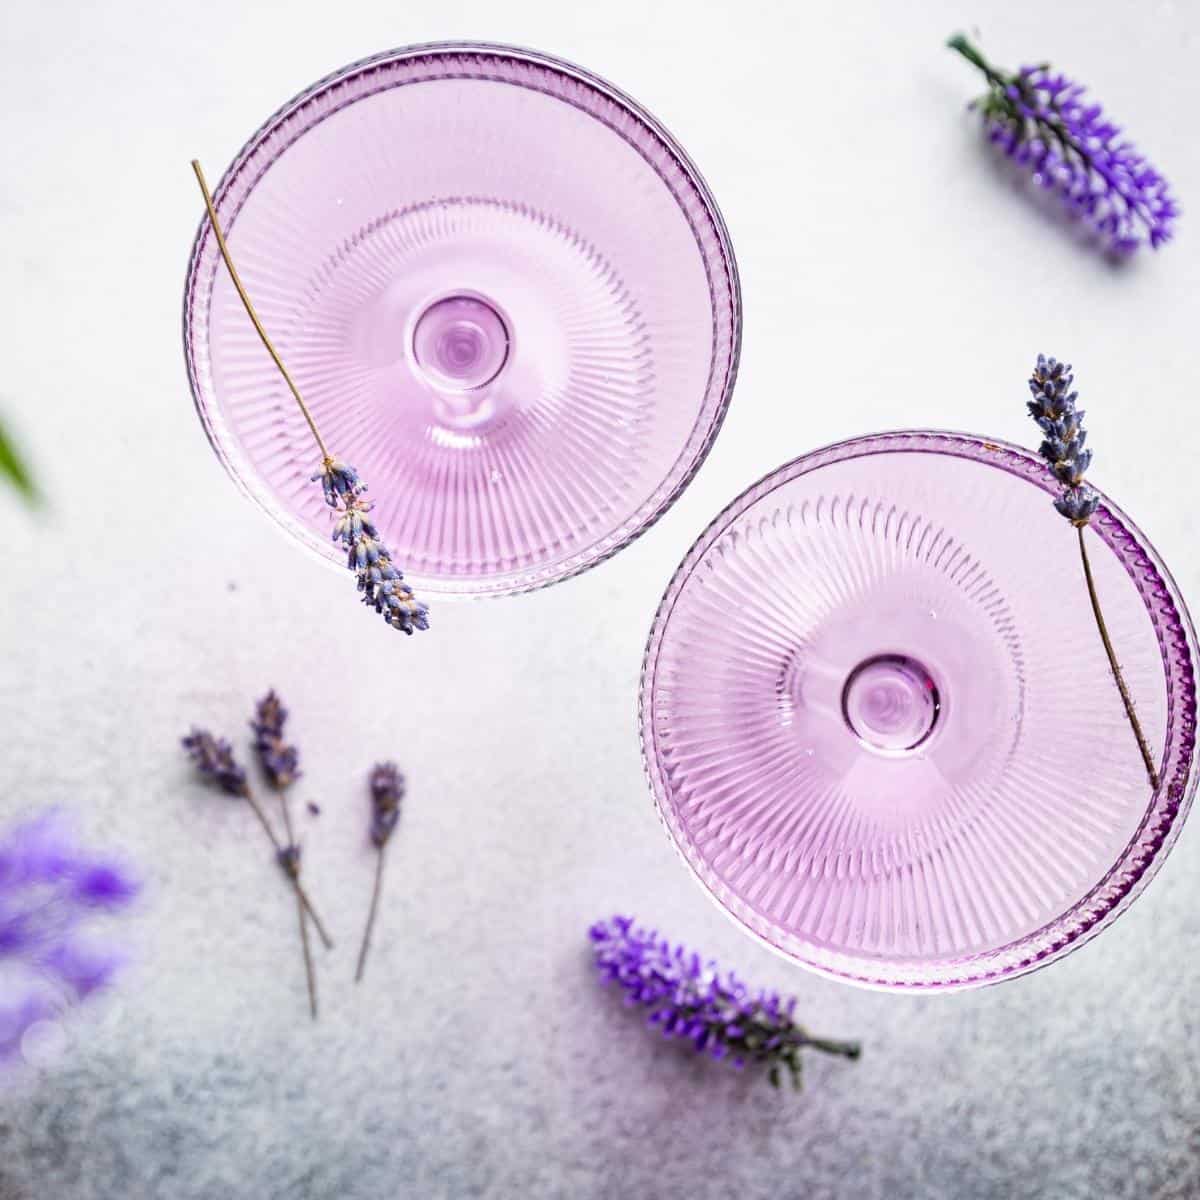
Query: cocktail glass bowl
880	725
506	295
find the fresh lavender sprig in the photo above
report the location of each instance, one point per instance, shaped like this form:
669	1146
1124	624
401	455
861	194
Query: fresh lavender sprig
214	760
387	789
280	762
714	1011
50	888
1046	124
1054	409
380	581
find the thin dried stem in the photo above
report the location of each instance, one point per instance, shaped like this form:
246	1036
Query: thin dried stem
297	886
258	326
302	916
1135	724
375	894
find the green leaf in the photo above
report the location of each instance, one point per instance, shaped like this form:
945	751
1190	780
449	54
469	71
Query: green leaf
773	1076
13	467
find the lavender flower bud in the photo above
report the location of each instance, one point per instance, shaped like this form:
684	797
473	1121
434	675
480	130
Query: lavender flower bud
1053	408
339	482
387	790
289	859
379	580
280	762
214	760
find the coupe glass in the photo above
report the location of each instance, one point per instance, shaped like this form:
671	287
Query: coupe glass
880	725
506	295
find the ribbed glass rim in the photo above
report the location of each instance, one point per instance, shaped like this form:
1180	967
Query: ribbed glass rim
506	64
1167	807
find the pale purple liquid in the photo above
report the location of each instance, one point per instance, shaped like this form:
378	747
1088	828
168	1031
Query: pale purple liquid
880	725
505	294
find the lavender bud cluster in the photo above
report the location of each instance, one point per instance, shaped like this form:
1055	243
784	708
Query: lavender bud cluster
279	760
1053	408
213	758
1047	125
379	580
712	1010
387	790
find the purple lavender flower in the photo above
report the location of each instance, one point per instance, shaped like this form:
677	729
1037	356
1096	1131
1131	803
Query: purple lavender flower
214	760
380	581
339	481
714	1011
1053	408
49	888
1047	125
280	762
387	790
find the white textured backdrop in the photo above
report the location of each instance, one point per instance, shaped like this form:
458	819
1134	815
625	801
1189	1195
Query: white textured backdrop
890	278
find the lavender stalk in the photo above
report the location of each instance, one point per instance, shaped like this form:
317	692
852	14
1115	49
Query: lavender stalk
380	581
280	763
1053	408
714	1011
387	790
215	762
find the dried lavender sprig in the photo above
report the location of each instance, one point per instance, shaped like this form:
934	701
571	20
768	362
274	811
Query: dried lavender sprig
280	762
387	789
1053	407
1045	123
50	888
711	1009
379	579
214	759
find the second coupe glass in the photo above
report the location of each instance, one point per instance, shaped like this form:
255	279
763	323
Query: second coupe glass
880	725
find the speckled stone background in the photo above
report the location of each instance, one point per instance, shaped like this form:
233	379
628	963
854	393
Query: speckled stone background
891	279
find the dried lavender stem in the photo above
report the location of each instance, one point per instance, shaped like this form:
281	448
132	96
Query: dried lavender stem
1135	724
375	893
302	916
309	974
258	327
297	886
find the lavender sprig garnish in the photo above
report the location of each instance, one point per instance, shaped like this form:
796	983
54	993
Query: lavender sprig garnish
387	790
214	760
280	763
50	889
712	1010
379	580
1053	407
1046	124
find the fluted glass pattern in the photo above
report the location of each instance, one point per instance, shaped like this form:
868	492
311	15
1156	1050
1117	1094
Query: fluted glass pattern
506	295
879	722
